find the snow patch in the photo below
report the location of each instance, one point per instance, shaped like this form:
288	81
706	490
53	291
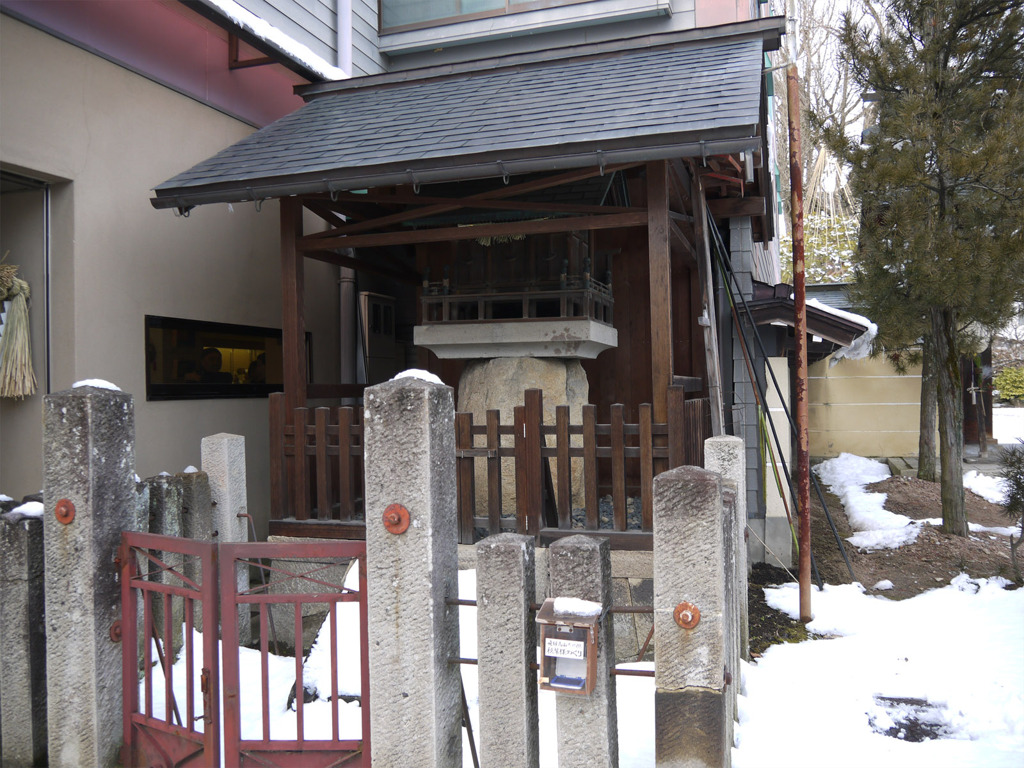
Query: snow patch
576	606
278	39
883	585
416	373
190	470
993	489
30	509
875	527
97	383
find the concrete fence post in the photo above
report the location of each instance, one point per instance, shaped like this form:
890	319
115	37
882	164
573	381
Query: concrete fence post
196	523
725	454
693	722
165	500
581	567
23	640
507	643
223	460
412	569
90	498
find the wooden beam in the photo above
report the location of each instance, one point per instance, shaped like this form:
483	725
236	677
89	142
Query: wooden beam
728	207
510	205
293	321
332	217
707	294
364	265
446	234
659	258
679	238
447	205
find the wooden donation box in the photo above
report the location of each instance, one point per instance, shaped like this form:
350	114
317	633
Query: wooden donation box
568	640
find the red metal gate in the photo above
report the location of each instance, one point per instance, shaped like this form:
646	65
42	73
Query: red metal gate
178	712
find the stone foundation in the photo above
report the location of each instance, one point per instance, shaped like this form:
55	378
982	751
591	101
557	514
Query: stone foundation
499	384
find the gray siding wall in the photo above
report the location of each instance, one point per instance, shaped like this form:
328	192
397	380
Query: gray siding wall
744	404
314	23
366	58
682	17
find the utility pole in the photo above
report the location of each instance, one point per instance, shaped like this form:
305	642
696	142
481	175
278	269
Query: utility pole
803	461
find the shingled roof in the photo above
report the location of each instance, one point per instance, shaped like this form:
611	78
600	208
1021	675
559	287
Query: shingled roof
680	100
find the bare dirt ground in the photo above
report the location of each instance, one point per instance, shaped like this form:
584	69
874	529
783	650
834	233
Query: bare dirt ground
931	561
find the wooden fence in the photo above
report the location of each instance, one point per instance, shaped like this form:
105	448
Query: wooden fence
316	488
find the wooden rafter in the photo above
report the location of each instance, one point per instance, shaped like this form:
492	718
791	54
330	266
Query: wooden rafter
443	234
486	199
727	207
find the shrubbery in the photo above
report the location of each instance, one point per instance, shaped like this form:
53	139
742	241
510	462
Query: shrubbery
1012	466
1010	383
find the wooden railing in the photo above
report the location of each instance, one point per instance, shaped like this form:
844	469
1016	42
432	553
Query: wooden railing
619	461
316	470
588	299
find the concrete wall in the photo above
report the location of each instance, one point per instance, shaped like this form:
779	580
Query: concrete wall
23	235
863	407
104	136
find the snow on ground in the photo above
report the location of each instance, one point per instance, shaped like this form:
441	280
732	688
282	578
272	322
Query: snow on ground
936	680
949	658
876	527
992	489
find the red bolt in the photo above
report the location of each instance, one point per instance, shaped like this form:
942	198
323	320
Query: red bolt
65	511
396	519
687	615
115	631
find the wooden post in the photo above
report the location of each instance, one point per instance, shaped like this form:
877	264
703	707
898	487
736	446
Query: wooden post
803	463
293	321
700	207
659	258
466	488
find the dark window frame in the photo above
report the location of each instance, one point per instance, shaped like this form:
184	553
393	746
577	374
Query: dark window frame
508	10
205	334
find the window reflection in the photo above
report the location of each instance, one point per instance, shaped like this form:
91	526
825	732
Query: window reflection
188	359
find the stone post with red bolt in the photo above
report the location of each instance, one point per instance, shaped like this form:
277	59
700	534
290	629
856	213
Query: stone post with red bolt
90	498
694	686
412	570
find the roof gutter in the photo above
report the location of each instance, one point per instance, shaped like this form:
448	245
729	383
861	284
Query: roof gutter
363	178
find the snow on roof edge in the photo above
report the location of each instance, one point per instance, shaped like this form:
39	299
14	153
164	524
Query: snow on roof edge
275	37
861	346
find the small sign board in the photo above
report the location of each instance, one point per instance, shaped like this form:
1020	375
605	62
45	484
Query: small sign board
564	649
569	643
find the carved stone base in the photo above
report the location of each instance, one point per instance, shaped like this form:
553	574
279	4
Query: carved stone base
499	384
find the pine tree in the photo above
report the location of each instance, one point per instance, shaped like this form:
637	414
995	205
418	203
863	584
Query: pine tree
940	180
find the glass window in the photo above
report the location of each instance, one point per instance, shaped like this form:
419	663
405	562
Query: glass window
190	359
402	13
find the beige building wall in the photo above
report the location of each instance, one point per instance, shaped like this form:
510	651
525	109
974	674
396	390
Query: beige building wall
778	498
105	136
863	407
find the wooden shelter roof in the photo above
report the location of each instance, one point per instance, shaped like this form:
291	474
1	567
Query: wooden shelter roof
680	99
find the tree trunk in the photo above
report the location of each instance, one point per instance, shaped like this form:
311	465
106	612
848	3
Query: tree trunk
926	468
951	421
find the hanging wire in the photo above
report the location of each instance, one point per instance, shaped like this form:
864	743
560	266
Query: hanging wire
719	248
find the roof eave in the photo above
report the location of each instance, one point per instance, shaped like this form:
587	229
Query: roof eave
458	168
